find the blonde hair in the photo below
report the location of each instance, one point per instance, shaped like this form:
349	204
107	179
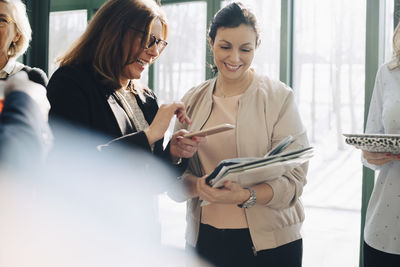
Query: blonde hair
396	41
101	45
23	27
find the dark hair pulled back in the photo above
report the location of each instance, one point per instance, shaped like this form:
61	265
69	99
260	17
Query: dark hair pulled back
232	16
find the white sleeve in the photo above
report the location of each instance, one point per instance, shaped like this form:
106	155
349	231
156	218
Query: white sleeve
374	121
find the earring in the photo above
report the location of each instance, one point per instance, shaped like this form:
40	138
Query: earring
11	50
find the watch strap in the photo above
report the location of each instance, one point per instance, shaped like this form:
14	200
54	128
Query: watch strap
251	201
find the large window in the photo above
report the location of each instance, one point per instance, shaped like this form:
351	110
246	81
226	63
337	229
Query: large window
329	72
389	28
65	28
181	66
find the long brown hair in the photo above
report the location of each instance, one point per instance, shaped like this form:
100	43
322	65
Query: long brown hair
101	45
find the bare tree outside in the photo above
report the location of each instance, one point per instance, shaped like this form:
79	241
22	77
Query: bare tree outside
65	28
329	58
182	64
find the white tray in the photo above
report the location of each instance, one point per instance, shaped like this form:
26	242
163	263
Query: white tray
385	143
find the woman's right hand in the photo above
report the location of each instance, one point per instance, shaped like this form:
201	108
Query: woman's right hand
230	193
379	159
163	118
181	147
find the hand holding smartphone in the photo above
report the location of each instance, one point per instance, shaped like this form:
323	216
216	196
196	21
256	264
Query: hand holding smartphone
213	130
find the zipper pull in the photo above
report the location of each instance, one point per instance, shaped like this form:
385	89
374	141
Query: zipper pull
254	250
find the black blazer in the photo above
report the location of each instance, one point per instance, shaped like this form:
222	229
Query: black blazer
36	75
77	96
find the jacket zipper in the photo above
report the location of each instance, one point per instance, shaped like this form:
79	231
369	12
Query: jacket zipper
254	251
253	248
209	114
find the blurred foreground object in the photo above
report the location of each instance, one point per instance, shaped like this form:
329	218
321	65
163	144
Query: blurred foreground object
25	137
86	209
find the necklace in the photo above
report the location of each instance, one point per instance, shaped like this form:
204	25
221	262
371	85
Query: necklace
240	86
223	92
224	95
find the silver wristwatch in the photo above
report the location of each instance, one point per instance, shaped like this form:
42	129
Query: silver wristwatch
251	201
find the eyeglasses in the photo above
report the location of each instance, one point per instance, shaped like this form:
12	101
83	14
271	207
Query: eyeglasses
160	43
5	20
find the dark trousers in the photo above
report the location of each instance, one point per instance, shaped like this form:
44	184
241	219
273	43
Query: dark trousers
377	258
233	247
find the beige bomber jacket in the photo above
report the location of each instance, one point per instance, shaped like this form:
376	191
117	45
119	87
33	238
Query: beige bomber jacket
267	113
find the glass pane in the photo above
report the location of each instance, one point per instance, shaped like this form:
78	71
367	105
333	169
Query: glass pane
268	14
181	66
65	28
329	58
389	28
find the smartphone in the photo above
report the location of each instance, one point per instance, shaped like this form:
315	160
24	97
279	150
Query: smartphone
213	130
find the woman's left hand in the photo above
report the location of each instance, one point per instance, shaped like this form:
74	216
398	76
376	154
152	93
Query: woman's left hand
182	147
230	193
379	159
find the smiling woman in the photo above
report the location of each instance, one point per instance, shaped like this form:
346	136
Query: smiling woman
233	50
15	34
259	225
10	34
97	84
154	46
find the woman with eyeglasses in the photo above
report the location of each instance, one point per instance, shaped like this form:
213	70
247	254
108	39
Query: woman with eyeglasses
15	34
97	83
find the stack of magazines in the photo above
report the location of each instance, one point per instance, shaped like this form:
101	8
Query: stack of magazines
251	171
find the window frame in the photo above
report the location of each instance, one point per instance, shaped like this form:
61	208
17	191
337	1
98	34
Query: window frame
374	57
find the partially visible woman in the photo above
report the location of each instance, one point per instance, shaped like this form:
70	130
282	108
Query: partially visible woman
259	225
382	225
25	137
97	84
15	35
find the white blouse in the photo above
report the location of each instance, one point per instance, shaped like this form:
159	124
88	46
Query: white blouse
11	68
382	226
